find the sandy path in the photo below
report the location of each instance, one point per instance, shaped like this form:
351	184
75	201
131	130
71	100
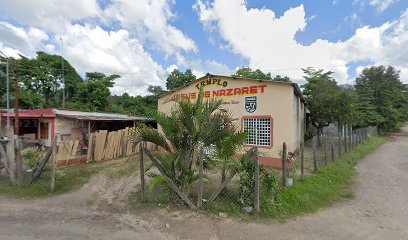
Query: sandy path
379	211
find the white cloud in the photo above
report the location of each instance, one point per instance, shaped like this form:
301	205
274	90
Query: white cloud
382	5
112	52
269	42
48	14
115	39
25	40
150	21
10	52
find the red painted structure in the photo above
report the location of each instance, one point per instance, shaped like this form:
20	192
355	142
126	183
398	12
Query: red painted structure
35	114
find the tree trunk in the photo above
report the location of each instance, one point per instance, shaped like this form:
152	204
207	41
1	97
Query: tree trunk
223	175
319	133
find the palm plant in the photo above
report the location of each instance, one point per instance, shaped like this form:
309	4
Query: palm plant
188	128
226	149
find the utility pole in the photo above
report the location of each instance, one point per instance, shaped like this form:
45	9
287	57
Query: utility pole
8	89
8	94
63	77
19	164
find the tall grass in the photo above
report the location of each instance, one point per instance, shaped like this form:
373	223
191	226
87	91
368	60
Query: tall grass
320	190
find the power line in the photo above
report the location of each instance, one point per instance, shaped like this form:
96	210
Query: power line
74	71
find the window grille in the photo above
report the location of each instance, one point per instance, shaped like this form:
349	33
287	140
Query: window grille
258	131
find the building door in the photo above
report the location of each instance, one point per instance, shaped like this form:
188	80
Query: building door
43	130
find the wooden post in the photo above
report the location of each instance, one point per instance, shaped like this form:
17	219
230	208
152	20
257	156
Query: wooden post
284	164
200	179
10	152
170	182
315	168
257	179
142	172
19	162
345	139
339	145
325	150
358	136
332	151
53	163
302	161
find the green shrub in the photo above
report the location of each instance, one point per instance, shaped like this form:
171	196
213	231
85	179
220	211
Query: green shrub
33	156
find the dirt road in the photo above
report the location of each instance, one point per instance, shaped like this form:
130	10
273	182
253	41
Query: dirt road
379	211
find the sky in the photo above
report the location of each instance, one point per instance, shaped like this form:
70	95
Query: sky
144	40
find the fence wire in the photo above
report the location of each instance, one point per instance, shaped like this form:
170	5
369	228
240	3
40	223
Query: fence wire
239	194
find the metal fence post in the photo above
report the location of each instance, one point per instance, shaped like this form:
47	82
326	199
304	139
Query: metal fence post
314	155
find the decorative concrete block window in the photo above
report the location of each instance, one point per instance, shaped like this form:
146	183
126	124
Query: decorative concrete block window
259	131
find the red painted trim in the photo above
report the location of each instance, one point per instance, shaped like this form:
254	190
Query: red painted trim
273	162
259	116
52	120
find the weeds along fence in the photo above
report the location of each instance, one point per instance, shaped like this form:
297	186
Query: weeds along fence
211	189
324	149
242	185
28	162
31	162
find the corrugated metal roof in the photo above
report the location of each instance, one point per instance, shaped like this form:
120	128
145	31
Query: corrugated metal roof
93	116
97	116
35	113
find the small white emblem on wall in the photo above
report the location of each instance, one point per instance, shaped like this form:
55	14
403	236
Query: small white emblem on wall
250	104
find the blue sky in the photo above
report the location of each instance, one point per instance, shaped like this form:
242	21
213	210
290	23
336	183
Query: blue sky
145	40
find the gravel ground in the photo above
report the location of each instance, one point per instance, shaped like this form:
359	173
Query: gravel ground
379	211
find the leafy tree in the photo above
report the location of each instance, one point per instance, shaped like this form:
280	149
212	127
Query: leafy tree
94	92
321	93
247	72
347	106
156	90
178	79
382	97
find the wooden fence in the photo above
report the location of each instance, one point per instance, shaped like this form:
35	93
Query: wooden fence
102	145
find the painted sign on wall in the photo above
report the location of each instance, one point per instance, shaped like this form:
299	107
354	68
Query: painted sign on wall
223	92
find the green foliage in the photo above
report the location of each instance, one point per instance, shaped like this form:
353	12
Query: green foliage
156	181
33	156
189	127
226	148
247	72
41	87
320	190
178	79
269	182
321	93
383	98
246	171
93	95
